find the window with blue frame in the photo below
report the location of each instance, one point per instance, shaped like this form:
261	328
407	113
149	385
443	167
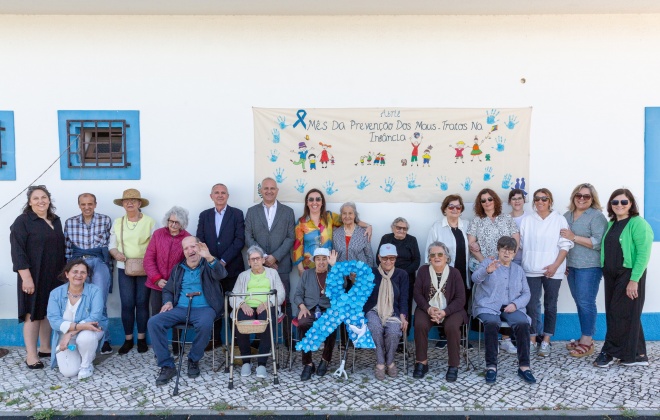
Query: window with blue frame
7	147
652	169
99	144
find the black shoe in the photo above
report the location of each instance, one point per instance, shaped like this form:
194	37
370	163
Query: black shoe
175	349
399	348
322	369
639	361
106	349
142	345
441	344
603	360
211	345
126	347
40	354
452	374
420	370
166	373
193	369
307	372
491	376
527	376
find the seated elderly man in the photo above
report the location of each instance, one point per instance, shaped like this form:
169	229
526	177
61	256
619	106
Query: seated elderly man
311	301
198	272
501	294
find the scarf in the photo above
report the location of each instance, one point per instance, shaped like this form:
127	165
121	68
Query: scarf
439	300
385	304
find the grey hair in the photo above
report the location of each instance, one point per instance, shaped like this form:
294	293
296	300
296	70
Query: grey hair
255	248
180	213
399	220
441	245
351	205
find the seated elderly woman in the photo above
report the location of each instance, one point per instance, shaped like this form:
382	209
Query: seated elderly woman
386	310
311	301
501	294
75	313
258	279
440	297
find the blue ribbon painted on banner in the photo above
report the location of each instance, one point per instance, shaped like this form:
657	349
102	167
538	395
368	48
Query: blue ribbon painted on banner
344	307
301	118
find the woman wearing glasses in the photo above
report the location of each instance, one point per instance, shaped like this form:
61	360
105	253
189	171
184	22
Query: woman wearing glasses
163	253
488	226
625	254
586	226
544	262
314	230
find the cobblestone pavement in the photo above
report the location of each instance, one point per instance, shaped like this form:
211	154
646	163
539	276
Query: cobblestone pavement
126	384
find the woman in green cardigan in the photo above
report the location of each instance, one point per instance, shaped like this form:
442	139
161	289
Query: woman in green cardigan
625	253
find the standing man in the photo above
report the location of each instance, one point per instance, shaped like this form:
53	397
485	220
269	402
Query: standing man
270	225
222	229
86	236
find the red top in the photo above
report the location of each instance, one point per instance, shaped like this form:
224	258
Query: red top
164	252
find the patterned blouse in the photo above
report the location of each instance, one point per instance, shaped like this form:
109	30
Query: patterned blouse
488	232
310	236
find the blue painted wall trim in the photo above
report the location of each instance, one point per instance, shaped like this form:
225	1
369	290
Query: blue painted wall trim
132	145
8	144
652	169
11	332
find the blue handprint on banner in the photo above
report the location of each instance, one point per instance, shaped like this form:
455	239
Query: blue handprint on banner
274	154
276	135
389	185
442	183
506	181
500	141
511	124
330	188
491	116
467	184
344	307
411	181
362	183
279	175
300	185
488	173
281	121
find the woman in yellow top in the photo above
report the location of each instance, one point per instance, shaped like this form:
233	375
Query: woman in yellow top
258	279
129	238
314	230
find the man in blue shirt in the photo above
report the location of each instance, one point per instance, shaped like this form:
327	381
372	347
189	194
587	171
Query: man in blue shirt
198	272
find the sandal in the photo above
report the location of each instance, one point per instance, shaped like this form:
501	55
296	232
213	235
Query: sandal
572	344
37	365
582	350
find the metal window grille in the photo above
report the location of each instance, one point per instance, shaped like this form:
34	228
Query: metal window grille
2	162
97	143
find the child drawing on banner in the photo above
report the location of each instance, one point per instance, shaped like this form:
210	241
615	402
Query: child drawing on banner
476	151
380	158
312	161
332	160
302	155
415	151
520	184
460	146
369	158
362	158
324	155
427	157
377	160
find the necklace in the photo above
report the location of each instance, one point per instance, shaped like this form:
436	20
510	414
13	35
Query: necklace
319	282
74	296
128	223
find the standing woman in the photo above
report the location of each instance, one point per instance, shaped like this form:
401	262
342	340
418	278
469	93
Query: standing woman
350	240
625	254
37	253
544	263
586	226
129	239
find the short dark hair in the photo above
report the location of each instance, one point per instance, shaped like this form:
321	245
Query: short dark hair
634	211
449	199
72	263
86	195
515	191
507	242
50	213
479	208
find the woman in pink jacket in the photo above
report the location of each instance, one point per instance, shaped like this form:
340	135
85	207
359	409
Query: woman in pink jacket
164	253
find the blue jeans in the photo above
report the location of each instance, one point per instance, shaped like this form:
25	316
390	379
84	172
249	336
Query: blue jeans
101	277
519	324
134	302
201	320
550	289
584	284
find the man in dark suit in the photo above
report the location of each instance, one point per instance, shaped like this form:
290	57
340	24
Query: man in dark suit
222	229
270	225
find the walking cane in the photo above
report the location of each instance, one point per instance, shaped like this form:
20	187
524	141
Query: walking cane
190	297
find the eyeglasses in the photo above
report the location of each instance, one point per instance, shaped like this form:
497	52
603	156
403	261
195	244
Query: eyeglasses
544	199
483	200
457	206
517	198
583	196
391	259
507	250
437	254
36	187
173	222
623	202
403	228
313	199
255	259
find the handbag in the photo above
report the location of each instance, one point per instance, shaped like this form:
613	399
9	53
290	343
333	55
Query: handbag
132	266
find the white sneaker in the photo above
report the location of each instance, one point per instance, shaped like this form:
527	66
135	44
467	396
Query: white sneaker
261	372
532	348
86	372
544	350
246	370
508	346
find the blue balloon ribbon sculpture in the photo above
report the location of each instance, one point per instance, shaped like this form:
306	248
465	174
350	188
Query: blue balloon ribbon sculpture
344	307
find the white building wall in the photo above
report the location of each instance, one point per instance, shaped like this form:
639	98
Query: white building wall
195	79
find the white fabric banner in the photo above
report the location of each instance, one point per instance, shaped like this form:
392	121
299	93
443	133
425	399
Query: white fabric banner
392	154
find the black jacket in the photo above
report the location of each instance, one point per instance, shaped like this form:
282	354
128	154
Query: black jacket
210	280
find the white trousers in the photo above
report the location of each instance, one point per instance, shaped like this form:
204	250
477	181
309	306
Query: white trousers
86	343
